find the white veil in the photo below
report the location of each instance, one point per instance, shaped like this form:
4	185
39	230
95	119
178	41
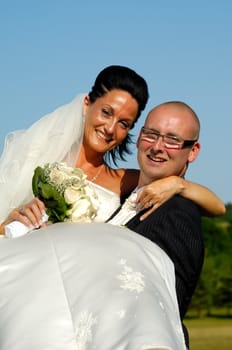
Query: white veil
55	137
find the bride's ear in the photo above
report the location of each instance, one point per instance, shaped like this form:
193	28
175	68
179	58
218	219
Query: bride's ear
86	104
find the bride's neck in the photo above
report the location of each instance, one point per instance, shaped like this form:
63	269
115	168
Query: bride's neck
93	159
90	164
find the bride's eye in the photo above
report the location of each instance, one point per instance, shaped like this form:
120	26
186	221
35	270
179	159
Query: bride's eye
124	124
106	112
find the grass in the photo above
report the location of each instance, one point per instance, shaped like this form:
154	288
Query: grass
210	333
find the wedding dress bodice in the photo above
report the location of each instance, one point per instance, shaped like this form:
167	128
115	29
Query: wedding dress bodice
108	202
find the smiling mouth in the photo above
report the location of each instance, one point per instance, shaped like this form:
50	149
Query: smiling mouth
156	159
102	136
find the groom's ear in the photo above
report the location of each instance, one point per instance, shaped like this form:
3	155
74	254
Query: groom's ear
194	152
138	139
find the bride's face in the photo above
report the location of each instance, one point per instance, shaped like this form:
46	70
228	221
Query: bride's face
108	120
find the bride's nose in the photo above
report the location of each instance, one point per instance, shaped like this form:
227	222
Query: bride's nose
110	125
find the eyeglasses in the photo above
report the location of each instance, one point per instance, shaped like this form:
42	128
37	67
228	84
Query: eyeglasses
169	141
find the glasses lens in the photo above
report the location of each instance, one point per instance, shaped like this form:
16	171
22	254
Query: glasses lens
150	135
172	142
169	141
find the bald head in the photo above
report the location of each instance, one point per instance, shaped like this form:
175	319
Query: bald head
182	113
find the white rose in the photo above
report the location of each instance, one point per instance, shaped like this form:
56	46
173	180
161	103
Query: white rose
81	211
77	183
77	172
71	195
67	170
57	176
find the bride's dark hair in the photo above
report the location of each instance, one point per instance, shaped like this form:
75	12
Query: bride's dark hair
126	79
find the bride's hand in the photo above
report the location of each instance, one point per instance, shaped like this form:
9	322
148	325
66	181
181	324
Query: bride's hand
29	214
158	192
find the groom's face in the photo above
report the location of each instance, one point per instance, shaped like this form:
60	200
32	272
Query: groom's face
155	159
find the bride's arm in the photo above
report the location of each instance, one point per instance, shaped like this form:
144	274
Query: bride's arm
161	190
31	215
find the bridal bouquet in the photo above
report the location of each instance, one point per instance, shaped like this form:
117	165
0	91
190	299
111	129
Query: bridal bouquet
65	192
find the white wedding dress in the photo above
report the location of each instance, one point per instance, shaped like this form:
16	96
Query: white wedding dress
87	287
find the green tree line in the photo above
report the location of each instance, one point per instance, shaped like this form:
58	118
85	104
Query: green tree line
214	290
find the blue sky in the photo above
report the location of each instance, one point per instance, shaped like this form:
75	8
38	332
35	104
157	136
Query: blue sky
52	50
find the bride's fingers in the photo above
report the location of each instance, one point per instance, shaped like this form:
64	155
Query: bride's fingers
140	196
31	214
23	218
148	212
40	204
146	201
17	215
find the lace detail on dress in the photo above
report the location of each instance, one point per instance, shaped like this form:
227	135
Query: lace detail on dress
84	329
131	280
121	314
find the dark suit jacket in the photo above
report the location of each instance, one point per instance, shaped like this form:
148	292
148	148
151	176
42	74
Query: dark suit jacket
176	228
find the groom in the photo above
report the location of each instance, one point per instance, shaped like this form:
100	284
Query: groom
167	143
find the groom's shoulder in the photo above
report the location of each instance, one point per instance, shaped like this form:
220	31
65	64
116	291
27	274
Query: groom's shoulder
176	212
178	204
180	201
176	209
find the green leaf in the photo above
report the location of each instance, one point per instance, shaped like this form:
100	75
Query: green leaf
53	201
37	178
55	204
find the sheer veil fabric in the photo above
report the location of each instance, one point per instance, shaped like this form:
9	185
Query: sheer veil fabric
87	286
55	137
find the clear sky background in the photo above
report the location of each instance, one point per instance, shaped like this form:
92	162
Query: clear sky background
53	49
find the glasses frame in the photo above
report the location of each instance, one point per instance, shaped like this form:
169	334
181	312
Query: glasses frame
183	143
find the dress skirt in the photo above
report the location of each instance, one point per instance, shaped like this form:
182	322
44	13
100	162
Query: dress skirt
87	286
